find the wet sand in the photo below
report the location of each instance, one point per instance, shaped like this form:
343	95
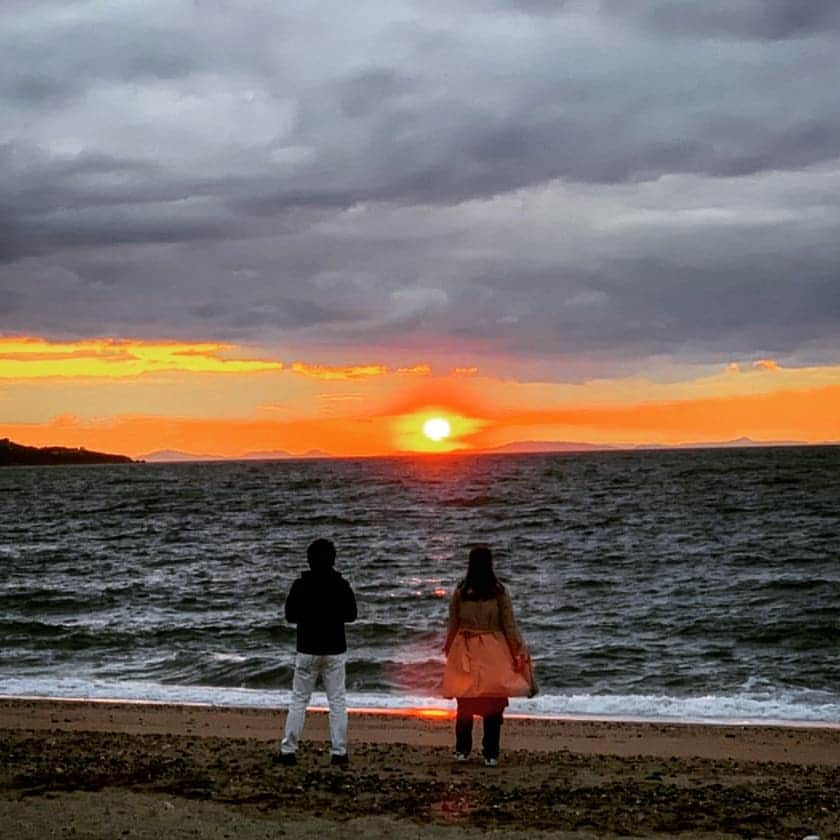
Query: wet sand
109	770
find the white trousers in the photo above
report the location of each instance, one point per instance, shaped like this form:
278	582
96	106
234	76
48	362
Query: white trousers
308	668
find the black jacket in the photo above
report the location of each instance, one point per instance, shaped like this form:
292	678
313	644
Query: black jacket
320	604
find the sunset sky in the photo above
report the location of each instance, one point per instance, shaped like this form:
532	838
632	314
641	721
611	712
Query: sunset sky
236	227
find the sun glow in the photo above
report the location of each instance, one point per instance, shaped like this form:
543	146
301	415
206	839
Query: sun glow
434	428
437	428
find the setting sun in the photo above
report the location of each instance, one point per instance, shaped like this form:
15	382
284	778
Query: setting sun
436	428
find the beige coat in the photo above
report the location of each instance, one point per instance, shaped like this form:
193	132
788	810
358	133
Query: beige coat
486	656
495	615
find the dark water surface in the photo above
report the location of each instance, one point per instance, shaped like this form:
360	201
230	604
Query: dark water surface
702	583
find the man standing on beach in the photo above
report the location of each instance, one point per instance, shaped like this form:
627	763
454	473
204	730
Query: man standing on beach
320	602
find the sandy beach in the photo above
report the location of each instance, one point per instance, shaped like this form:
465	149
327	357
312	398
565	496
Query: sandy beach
108	770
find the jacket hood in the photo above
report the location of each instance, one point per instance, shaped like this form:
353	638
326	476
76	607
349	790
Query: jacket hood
309	574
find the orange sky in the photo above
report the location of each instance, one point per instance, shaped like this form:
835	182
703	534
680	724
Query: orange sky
217	399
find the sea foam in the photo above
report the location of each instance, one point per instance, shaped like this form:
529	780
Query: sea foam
785	708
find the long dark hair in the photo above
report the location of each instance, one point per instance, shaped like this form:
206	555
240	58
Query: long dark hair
481	583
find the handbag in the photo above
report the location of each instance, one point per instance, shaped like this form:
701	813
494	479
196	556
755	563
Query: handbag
523	664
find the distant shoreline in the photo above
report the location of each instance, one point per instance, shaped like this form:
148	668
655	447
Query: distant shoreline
15	454
532	448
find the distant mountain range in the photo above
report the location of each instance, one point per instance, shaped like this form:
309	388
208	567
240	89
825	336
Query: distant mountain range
516	448
162	456
14	455
738	443
525	446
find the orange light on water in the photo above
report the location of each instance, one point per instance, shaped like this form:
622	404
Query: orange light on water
411	712
432	714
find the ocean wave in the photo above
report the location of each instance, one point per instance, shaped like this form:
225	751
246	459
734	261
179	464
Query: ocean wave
626	581
781	707
185	669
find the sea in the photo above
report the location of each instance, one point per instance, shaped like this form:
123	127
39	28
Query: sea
692	585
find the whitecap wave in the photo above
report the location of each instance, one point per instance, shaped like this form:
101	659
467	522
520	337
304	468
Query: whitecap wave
783	706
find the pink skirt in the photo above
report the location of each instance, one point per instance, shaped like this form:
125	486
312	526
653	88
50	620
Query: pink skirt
480	665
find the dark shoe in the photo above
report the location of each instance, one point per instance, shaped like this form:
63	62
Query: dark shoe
286	759
340	760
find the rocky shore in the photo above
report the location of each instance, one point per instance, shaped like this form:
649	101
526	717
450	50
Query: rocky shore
15	455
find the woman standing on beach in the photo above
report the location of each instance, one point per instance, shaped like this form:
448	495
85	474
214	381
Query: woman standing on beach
486	660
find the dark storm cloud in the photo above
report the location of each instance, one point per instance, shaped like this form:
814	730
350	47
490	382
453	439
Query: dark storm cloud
739	19
62	61
311	173
656	307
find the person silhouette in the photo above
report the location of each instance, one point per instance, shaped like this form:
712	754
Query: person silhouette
486	658
320	602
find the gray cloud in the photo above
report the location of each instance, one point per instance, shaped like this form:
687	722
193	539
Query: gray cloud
527	7
299	175
738	19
